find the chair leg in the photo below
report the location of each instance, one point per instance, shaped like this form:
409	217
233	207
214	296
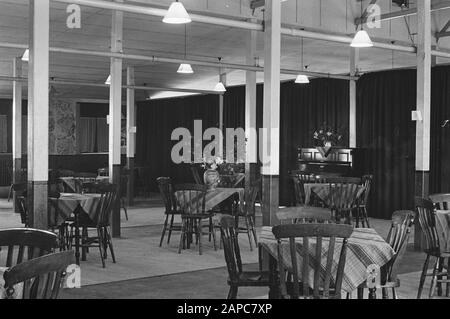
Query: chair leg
252	224
423	276
434	278
122	200
440	278
170	229
100	245
366	217
110	244
394	294
447	289
182	236
10	193
164	230
213	230
248	232
232	293
199	232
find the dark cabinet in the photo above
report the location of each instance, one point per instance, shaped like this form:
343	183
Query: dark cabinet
339	161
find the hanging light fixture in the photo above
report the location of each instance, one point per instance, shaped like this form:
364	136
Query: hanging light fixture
220	87
26	56
108	80
301	78
185	68
176	14
362	38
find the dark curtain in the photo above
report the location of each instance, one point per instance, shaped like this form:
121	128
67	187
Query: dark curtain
385	130
440	136
156	119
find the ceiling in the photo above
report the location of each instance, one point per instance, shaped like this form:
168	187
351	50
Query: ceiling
147	35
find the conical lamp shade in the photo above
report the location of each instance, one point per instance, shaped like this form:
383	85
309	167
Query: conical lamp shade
302	79
176	14
26	55
220	87
108	80
185	69
361	40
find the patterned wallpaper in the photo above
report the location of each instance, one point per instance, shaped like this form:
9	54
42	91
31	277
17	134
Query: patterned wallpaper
62	127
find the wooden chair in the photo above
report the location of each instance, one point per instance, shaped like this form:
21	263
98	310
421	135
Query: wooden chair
299	180
441	201
361	211
191	201
343	200
249	216
198	180
20	244
304	215
326	284
167	193
22	180
20	191
103	240
236	276
42	277
426	216
398	238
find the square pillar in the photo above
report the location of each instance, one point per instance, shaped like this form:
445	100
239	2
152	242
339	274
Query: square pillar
251	145
271	117
131	134
423	140
115	114
354	61
17	126
38	113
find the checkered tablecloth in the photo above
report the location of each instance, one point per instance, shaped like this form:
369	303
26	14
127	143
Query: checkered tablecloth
322	190
365	247
213	197
443	229
68	203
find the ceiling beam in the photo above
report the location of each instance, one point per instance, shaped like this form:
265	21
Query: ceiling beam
102	85
405	13
156	59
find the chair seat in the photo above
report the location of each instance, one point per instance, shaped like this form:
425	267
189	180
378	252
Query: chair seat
252	279
435	253
173	212
198	216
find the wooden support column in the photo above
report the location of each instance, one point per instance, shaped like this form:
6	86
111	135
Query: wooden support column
131	134
354	61
271	117
423	106
251	145
115	113
38	113
17	126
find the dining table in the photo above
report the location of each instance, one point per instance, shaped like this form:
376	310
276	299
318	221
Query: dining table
75	206
365	248
322	191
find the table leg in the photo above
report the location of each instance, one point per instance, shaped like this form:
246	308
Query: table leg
274	289
77	238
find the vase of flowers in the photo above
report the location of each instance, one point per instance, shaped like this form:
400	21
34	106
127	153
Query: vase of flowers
211	177
325	138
